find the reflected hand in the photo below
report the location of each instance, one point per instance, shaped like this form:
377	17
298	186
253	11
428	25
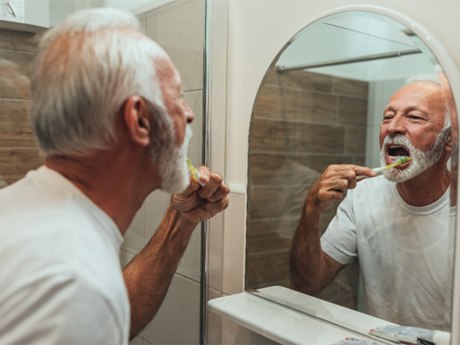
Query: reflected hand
198	203
333	184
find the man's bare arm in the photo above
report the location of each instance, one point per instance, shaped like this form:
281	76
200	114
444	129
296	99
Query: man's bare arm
311	270
149	274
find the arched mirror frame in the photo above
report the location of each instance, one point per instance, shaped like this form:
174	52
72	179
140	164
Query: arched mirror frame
452	71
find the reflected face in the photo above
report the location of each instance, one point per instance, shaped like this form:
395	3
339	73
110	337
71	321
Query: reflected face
421	160
414	125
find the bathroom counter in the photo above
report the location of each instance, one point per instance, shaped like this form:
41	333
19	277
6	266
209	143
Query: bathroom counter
274	313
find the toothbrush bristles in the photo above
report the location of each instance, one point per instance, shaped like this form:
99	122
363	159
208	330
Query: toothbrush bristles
399	161
194	173
404	159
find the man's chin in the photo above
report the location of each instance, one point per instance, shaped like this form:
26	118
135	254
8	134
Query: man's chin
399	176
175	176
177	187
177	182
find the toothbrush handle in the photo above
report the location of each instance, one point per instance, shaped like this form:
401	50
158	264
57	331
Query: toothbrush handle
379	170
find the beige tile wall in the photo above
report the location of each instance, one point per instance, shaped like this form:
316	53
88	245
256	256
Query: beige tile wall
18	148
302	122
179	28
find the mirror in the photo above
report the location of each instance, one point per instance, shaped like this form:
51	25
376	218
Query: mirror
322	102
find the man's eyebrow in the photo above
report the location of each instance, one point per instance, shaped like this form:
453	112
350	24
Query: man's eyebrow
406	109
420	110
389	108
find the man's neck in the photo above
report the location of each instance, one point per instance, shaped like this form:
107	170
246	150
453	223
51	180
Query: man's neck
110	181
425	188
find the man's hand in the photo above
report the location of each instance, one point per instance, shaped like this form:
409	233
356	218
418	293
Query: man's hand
198	203
333	184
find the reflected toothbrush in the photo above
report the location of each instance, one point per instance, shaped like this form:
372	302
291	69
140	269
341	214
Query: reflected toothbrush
194	173
399	161
380	170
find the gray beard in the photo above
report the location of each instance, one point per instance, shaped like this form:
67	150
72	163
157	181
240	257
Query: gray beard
421	160
173	166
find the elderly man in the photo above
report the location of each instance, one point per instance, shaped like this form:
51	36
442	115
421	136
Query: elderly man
397	224
108	111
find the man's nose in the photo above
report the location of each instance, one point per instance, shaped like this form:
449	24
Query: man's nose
189	115
396	125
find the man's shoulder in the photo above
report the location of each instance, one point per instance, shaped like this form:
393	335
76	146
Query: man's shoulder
33	191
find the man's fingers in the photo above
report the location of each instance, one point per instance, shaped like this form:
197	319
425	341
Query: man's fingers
206	210
364	171
198	202
192	187
214	183
219	194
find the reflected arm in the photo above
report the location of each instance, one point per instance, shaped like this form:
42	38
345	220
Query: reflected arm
311	270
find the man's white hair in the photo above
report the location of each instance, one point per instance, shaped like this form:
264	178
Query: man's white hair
434	78
86	67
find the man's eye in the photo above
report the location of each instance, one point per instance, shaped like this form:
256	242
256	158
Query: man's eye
414	117
387	117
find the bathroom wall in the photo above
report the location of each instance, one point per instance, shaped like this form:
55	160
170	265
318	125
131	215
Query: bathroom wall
302	122
246	37
18	148
179	29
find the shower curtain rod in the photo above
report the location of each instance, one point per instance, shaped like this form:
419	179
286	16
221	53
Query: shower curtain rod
394	54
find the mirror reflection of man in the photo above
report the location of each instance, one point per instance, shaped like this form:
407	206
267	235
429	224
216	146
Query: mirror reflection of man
397	224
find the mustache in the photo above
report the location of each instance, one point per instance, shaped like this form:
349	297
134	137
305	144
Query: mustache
396	139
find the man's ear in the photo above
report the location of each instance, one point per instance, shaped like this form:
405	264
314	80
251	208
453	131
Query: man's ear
449	145
136	119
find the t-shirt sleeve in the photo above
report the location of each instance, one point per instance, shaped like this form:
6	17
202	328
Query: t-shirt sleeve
339	239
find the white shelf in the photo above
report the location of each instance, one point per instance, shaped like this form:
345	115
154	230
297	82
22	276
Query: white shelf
288	326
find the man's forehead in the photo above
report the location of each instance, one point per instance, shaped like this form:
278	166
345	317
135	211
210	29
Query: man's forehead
168	75
166	69
423	92
425	98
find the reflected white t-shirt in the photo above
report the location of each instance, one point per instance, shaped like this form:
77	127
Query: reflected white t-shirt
405	252
61	280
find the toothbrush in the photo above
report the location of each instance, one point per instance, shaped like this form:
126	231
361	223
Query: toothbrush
194	173
380	170
399	161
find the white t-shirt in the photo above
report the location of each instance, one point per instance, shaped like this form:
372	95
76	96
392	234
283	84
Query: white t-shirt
60	275
405	252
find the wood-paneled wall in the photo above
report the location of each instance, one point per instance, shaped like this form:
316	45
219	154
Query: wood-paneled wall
18	148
